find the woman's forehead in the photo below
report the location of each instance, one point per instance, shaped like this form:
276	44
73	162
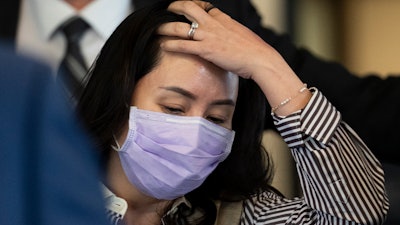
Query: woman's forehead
178	67
193	74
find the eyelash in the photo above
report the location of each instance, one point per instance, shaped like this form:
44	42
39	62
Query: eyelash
216	120
172	110
178	111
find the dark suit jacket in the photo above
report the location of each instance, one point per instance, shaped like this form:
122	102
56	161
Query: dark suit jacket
370	105
49	172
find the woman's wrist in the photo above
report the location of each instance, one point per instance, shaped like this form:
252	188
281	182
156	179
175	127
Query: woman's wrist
285	92
292	104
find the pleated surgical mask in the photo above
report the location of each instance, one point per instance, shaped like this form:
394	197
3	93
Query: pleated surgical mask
166	156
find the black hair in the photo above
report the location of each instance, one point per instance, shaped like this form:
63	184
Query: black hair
130	53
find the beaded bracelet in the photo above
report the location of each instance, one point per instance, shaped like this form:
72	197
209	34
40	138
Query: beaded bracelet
284	102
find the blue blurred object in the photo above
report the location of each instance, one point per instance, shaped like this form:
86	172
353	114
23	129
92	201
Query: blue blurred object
49	173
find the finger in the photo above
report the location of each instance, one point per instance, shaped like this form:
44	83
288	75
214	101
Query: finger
181	30
196	11
207	6
181	46
192	10
176	29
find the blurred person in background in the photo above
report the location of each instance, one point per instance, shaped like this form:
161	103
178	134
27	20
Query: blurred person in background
48	169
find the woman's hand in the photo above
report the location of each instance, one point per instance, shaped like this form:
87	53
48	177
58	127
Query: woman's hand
218	38
223	41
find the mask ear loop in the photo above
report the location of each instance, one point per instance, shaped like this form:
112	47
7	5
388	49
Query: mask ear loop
117	147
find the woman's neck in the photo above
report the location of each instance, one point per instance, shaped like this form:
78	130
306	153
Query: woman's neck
146	215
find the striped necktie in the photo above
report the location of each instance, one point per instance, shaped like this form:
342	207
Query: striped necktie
72	68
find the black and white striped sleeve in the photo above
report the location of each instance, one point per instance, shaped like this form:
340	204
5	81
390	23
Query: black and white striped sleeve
342	181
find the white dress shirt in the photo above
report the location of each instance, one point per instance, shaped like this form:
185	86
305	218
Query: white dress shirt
38	33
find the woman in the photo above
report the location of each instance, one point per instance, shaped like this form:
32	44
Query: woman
176	103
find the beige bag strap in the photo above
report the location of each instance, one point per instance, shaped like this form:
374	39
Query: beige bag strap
229	213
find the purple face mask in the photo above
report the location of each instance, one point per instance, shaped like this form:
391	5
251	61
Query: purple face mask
166	156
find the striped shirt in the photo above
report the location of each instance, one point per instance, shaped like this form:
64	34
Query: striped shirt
342	181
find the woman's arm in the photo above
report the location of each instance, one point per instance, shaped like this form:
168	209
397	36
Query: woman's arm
367	103
340	176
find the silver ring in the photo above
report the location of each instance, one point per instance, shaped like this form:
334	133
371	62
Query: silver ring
193	28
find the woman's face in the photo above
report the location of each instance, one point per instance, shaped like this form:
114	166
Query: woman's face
186	85
181	85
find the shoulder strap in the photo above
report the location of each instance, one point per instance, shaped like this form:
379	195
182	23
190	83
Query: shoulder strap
229	213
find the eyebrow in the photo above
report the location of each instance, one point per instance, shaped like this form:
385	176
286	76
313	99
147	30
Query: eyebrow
187	94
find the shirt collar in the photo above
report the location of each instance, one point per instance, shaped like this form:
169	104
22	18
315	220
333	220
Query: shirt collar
103	20
178	202
108	194
50	14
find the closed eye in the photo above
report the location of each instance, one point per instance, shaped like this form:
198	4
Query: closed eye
216	120
173	110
